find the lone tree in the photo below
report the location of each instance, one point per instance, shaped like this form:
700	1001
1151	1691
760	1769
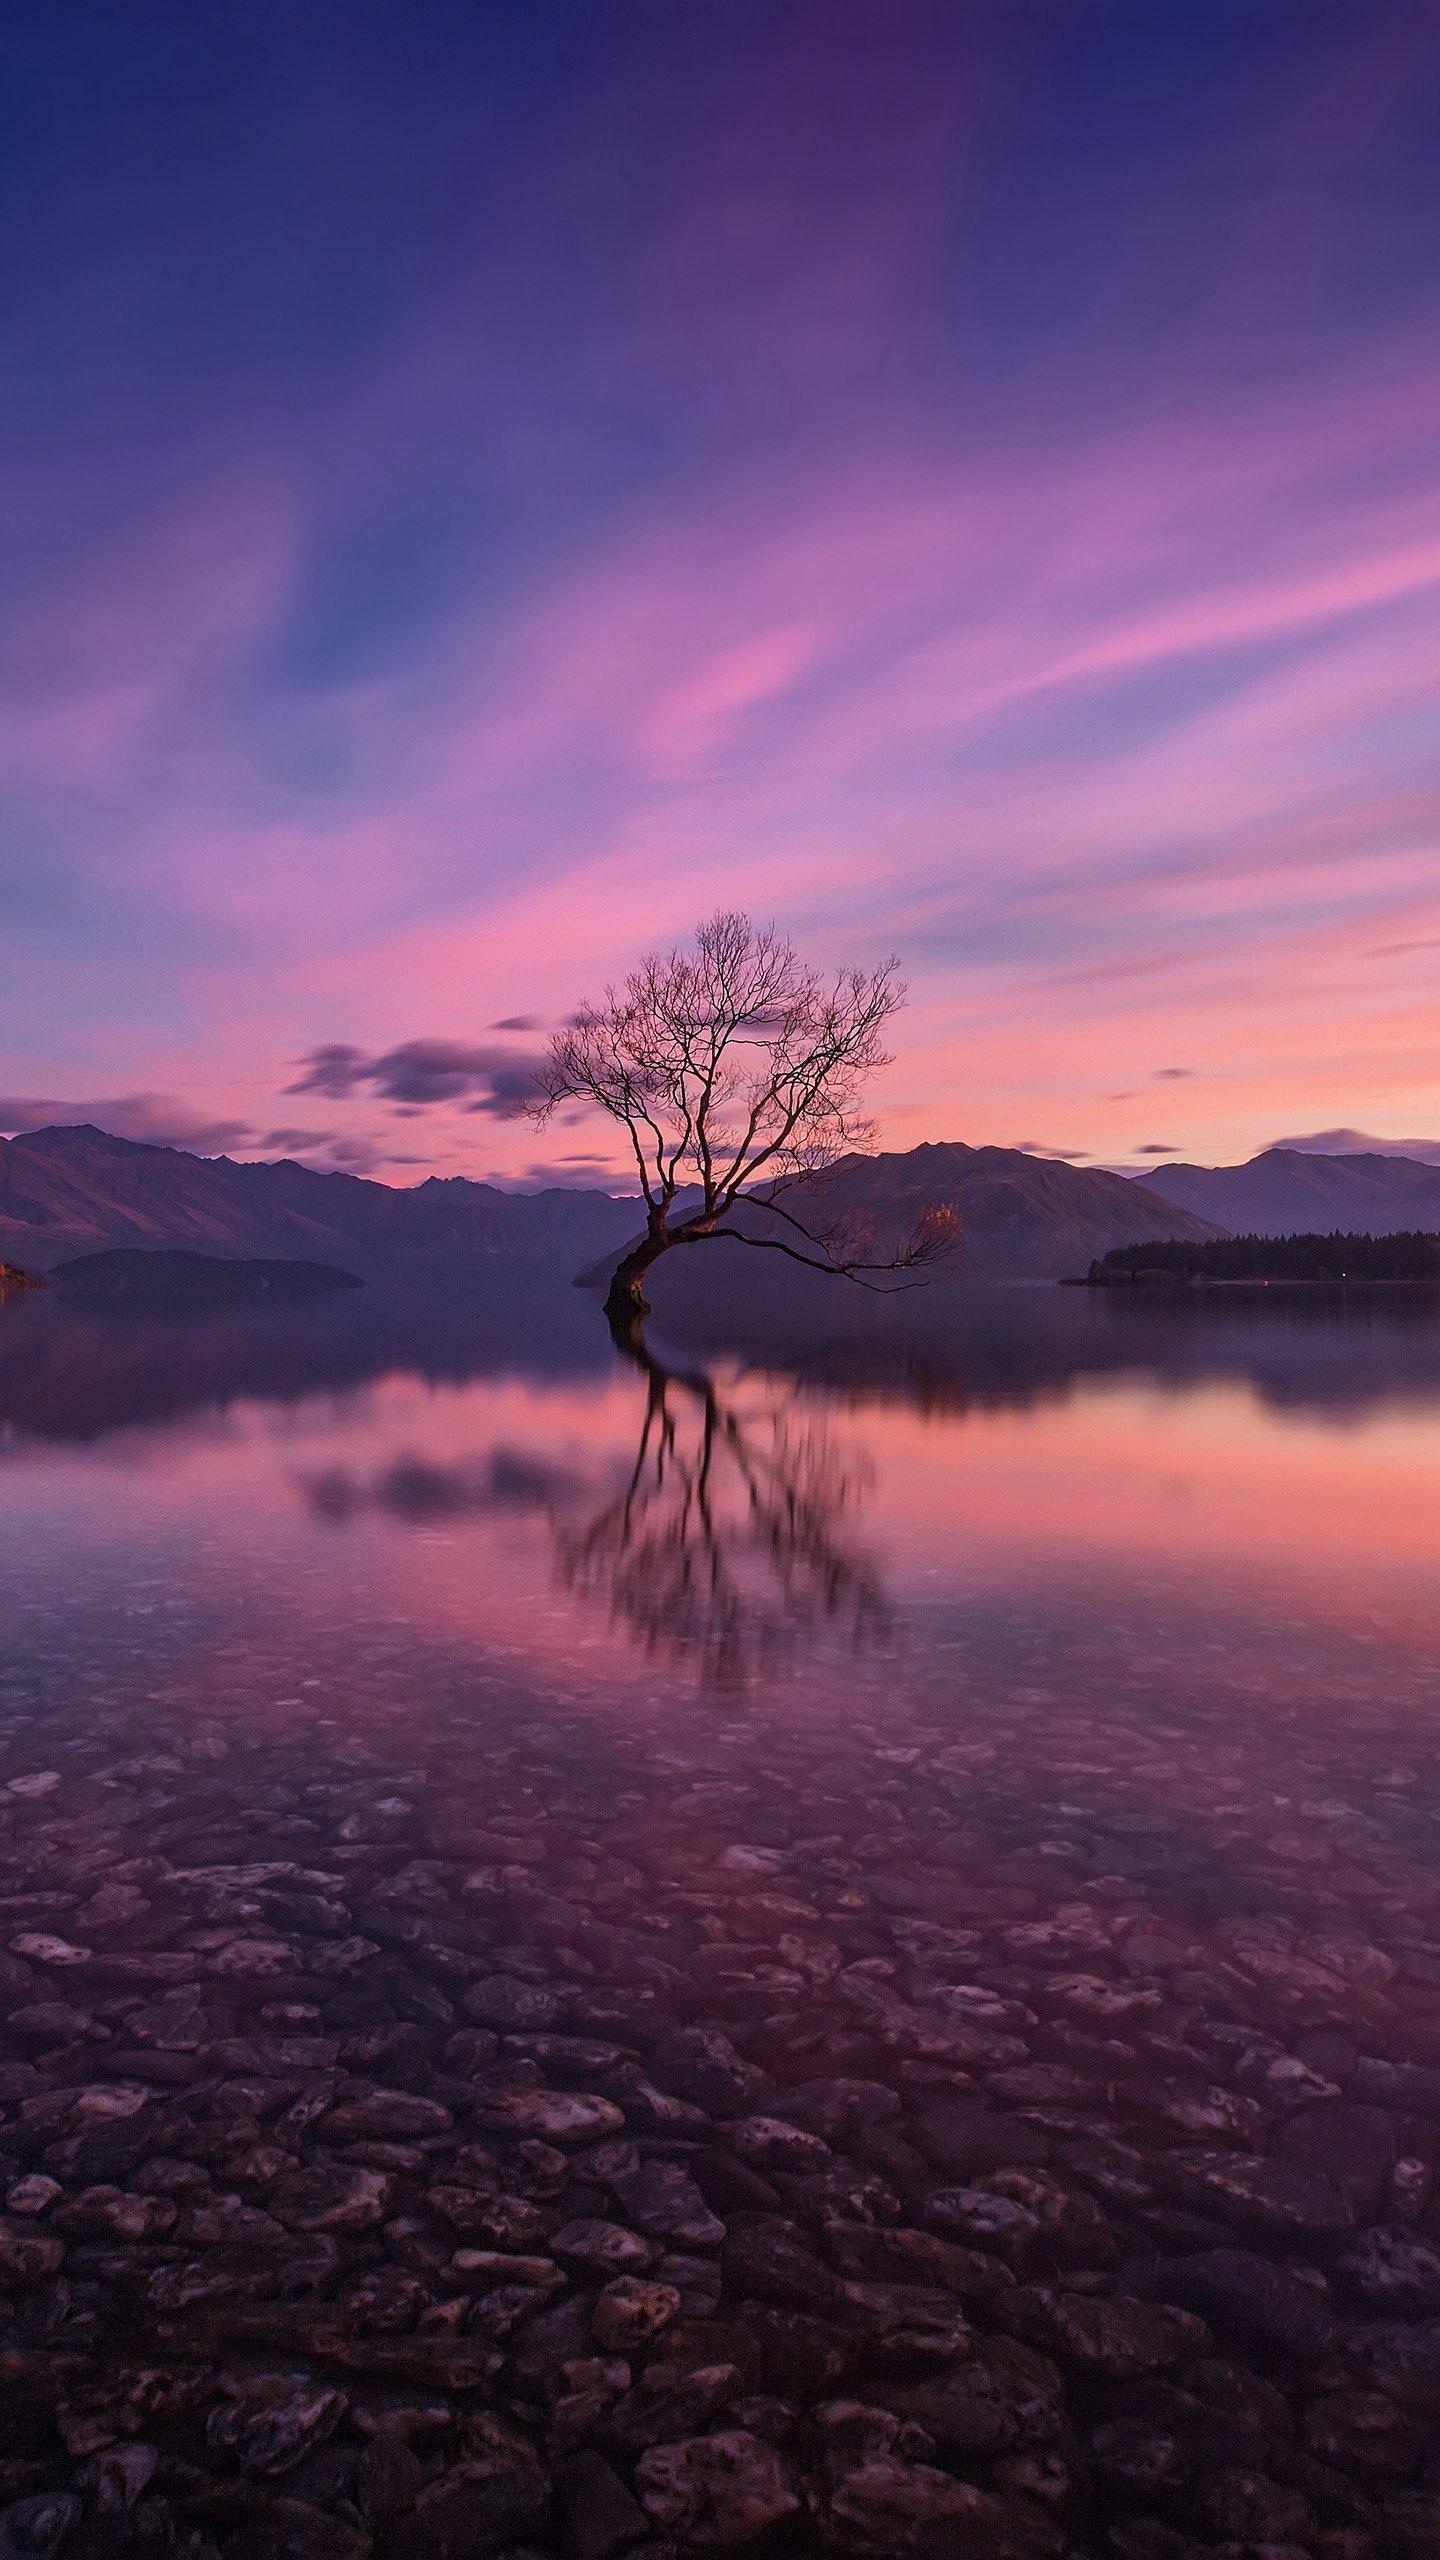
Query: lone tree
736	1071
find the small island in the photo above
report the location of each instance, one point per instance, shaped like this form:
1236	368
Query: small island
1272	1262
140	1277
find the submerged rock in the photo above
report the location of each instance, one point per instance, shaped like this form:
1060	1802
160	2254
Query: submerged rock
738	2138
718	2492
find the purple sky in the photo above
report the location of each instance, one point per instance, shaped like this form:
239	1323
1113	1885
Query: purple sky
488	484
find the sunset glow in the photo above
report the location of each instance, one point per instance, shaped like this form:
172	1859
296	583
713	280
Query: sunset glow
484	493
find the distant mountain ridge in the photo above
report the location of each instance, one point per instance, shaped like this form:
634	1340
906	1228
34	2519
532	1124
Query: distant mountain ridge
1024	1216
1286	1192
69	1191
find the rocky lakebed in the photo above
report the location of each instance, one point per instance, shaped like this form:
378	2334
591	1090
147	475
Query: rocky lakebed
733	2134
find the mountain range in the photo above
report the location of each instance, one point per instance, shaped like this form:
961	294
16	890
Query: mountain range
1285	1192
77	1190
1024	1216
68	1191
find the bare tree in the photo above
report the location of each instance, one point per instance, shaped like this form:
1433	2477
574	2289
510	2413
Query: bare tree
736	1070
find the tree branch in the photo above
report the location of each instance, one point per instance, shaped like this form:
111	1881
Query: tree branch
776	1244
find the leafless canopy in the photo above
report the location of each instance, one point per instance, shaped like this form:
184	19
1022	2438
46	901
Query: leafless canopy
733	1068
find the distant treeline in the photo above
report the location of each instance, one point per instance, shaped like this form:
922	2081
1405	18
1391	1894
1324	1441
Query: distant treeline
1412	1260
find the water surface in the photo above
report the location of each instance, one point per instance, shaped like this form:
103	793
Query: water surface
951	1785
1008	1494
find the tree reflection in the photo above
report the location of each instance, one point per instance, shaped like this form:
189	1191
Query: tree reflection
726	1543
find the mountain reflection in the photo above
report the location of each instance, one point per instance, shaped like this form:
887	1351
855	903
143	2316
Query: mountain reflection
473	1478
73	1374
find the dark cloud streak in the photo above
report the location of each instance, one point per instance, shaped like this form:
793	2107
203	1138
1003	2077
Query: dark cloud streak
418	1490
1357	1142
417	1074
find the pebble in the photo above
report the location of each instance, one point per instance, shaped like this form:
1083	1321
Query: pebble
549	2144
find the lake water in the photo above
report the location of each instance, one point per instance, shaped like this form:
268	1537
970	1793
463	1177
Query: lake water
922	1822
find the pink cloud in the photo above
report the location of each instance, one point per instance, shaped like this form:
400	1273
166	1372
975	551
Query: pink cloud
698	718
792	688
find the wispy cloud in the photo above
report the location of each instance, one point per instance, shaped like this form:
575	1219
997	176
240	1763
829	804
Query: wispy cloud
151	1119
887	488
161	1120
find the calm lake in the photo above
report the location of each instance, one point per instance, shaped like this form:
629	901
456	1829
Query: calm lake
947	1505
923	1828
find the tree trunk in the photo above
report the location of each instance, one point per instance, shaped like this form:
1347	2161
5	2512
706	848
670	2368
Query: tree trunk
626	1305
625	1301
